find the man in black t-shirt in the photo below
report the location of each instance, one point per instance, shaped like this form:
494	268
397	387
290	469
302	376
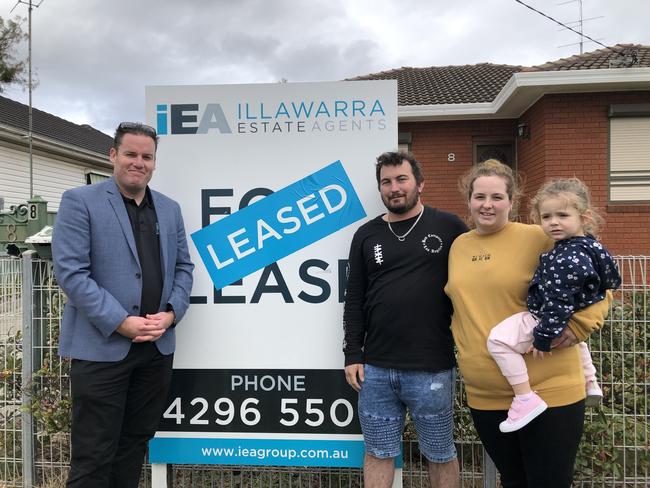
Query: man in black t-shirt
398	345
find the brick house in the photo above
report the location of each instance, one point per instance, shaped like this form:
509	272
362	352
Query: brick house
586	116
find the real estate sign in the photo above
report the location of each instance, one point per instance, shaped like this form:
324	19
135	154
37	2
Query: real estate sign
273	180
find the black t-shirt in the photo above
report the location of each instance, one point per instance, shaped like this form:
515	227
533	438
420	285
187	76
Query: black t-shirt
396	312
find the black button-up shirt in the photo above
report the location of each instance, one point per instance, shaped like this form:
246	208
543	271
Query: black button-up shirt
144	223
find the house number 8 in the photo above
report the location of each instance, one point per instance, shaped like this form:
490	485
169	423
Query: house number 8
451	157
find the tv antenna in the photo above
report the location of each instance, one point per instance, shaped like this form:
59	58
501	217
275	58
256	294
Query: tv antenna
565	26
579	24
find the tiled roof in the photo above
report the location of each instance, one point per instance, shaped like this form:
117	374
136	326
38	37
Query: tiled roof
447	84
619	56
482	82
83	136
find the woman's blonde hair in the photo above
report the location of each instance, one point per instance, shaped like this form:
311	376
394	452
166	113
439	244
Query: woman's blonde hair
576	193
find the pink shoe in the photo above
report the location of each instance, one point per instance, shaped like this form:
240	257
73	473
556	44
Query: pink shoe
594	394
522	412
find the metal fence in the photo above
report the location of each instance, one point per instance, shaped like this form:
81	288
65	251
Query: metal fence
615	451
10	353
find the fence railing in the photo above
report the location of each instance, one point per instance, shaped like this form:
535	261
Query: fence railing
615	451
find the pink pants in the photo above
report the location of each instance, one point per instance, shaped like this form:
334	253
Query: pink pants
513	337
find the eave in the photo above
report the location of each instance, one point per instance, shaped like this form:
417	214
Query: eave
70	152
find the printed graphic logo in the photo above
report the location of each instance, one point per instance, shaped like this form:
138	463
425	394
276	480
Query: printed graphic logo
183	119
432	243
263	117
379	255
278	225
481	256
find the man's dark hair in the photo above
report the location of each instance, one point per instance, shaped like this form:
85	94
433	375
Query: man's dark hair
396	159
135	128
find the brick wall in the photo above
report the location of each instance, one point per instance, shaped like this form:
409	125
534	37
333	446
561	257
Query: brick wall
569	137
433	142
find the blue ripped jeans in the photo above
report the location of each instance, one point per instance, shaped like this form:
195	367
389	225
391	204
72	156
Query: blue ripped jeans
429	396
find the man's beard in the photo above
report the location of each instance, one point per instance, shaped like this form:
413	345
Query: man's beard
410	202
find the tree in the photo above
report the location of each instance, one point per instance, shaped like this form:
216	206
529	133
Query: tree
11	71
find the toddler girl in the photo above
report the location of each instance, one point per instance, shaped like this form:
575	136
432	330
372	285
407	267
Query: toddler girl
575	274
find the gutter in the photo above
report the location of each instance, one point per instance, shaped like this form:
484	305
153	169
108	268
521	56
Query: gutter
76	154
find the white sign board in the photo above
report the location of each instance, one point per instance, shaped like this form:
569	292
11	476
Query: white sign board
273	180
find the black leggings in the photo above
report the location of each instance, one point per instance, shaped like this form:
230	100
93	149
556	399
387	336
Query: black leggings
542	454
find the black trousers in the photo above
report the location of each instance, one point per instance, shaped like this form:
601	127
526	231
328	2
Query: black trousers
116	408
542	454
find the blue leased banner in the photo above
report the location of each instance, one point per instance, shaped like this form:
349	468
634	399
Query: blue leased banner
278	225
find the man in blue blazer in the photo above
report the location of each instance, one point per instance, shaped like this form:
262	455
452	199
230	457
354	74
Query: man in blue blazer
121	257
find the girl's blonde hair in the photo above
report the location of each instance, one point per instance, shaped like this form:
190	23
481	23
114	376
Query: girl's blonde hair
576	193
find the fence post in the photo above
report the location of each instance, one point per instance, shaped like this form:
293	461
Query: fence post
489	471
27	370
36	214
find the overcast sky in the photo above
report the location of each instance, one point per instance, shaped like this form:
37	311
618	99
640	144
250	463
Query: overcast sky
93	58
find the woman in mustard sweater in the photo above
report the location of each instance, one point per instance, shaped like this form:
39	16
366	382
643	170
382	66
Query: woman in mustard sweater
490	269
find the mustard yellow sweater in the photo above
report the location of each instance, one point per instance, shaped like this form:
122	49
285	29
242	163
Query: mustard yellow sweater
488	281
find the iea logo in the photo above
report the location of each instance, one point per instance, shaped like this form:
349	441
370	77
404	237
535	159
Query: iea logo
190	118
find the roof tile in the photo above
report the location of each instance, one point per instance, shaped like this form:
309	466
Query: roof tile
477	83
83	136
447	84
618	56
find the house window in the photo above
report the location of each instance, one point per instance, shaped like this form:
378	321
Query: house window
93	177
503	151
629	153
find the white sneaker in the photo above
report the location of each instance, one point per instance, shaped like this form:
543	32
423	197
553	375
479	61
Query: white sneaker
594	394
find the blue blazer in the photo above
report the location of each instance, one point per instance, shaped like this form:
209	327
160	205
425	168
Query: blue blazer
96	264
